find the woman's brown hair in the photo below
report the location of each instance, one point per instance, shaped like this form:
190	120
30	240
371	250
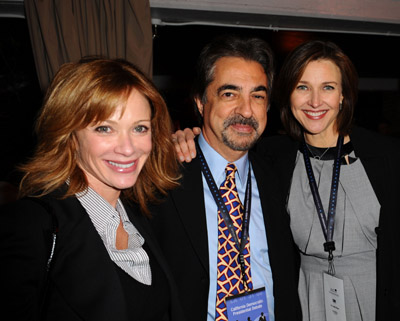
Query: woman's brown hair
291	72
86	93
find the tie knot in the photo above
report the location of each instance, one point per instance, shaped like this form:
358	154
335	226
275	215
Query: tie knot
230	170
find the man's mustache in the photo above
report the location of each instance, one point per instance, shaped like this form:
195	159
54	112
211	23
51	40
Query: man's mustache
237	119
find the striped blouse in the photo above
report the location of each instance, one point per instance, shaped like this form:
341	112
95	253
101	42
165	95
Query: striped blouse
105	218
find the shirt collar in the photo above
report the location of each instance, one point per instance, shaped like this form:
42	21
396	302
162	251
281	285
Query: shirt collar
217	163
100	211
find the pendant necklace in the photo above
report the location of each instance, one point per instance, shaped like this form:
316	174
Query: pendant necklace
319	157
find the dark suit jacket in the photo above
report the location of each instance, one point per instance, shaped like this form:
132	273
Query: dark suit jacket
84	283
180	223
380	157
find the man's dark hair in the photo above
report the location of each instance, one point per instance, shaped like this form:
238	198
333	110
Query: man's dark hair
248	48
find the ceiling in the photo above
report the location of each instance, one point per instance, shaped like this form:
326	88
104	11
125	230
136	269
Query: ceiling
351	16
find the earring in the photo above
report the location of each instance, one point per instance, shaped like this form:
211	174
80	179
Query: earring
340	106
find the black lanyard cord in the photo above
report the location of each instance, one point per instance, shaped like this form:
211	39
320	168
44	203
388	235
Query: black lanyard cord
327	223
225	213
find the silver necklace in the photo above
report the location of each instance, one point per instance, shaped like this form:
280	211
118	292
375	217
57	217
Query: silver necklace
319	157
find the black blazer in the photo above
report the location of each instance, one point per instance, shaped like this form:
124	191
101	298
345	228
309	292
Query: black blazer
380	156
84	282
180	223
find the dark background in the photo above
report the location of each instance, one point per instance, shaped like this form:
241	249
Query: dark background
175	53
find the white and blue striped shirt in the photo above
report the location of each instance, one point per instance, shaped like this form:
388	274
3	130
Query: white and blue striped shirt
105	218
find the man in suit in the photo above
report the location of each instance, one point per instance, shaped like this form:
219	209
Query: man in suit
232	93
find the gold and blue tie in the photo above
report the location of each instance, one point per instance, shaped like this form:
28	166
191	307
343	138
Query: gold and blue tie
229	275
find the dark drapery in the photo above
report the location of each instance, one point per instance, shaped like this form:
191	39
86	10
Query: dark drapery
66	30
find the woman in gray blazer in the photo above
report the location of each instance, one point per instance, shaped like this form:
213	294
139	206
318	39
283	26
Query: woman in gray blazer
340	185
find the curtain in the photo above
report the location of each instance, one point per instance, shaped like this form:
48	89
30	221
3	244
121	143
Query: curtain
66	30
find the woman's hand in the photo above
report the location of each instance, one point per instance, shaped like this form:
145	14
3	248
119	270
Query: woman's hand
184	143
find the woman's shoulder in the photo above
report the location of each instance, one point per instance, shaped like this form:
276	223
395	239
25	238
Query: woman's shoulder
25	215
39	211
374	143
23	206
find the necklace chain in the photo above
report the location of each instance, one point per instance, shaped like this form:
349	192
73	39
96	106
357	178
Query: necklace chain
319	157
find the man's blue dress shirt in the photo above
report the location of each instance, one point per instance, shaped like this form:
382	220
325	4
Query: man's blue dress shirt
259	260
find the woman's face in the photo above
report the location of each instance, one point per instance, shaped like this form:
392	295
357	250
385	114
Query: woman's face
315	101
113	152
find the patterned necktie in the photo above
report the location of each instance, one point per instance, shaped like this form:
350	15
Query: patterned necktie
229	275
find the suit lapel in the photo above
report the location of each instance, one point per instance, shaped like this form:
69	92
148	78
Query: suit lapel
374	164
276	220
268	169
375	169
189	201
143	226
81	263
267	188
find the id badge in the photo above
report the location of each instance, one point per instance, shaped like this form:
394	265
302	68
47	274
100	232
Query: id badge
248	306
334	298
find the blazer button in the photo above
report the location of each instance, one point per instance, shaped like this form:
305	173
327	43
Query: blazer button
377	230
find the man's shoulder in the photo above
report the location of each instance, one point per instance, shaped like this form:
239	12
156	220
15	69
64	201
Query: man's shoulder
274	145
190	183
190	173
277	141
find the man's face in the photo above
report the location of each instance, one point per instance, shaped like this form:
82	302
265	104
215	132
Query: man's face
235	113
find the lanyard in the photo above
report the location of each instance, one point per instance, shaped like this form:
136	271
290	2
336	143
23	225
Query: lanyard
225	213
327	223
